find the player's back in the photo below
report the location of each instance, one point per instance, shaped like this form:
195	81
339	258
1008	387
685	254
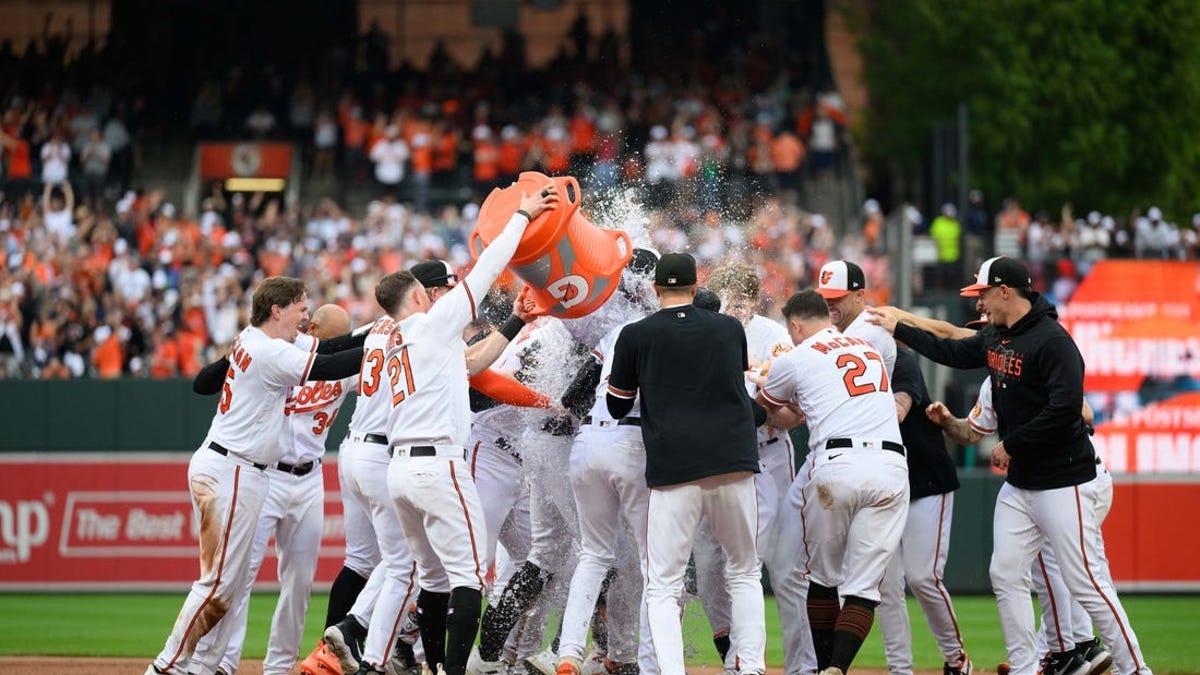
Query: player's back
842	385
374	395
427	374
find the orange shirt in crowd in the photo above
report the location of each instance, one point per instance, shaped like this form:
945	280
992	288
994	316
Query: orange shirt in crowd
486	161
109	358
445	151
165	362
583	134
188	351
510	156
19	165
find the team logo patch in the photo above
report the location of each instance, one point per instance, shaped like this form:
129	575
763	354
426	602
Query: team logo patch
826	276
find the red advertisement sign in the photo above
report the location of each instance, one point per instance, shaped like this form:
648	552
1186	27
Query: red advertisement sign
245	160
111	520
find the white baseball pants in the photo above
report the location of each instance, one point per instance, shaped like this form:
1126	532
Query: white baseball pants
1066	518
921	561
729	503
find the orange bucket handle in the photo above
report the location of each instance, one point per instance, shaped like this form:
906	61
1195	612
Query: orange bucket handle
474	237
622	235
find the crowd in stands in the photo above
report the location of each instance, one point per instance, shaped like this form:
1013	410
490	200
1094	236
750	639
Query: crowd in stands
100	280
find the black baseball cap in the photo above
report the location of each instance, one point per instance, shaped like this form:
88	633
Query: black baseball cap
675	270
435	273
642	262
840	277
998	271
706	299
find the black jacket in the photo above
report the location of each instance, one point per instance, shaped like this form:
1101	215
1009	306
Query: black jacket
930	468
1037	391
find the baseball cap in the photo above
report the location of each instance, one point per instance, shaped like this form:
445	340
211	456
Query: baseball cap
435	273
674	270
840	277
706	299
998	271
642	262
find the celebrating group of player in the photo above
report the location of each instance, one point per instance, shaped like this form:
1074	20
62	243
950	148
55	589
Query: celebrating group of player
465	436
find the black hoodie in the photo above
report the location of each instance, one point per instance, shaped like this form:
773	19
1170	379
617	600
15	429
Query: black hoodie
1037	391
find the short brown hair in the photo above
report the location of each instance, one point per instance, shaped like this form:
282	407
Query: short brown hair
807	304
390	290
281	291
737	279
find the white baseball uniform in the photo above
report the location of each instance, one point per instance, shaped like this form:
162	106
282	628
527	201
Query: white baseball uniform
1065	622
792	546
364	459
228	483
779	522
608	474
857	497
496	469
429	425
294	514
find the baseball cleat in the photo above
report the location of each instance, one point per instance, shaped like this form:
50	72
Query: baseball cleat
831	670
1097	657
962	666
477	666
568	666
1063	663
1004	668
343	640
544	662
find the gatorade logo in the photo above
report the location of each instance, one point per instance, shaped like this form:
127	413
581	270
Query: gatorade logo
569	290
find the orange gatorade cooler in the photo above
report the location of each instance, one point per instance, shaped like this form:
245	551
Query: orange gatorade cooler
570	265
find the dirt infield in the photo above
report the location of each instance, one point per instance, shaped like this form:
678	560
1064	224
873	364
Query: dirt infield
65	665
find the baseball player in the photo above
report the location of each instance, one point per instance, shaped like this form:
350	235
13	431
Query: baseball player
1037	386
1066	636
362	464
701	455
857	496
428	428
925	543
295	506
607	471
227	475
737	286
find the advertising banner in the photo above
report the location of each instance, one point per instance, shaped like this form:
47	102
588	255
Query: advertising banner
1137	324
104	521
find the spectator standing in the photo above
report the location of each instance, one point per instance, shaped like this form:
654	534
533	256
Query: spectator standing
946	232
56	156
95	158
389	155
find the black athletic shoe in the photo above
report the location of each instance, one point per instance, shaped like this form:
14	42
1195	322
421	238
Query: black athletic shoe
1097	657
1063	663
344	639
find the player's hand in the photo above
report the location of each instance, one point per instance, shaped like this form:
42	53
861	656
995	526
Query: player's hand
883	316
938	413
1000	458
525	307
539	202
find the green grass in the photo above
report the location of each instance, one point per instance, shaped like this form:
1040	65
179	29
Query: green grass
135	625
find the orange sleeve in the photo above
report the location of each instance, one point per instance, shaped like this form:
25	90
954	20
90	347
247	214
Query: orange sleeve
507	390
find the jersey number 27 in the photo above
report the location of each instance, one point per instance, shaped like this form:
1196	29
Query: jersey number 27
856	370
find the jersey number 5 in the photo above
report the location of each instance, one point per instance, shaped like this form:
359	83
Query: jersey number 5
226	393
856	369
396	366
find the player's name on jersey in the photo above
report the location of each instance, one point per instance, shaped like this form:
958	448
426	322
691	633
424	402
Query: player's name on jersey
317	392
839	342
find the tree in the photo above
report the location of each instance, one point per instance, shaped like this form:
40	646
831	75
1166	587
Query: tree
1095	102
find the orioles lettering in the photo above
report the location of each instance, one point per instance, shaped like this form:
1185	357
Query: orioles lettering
1008	364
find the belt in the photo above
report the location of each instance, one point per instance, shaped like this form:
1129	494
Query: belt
222	450
835	443
378	439
448	451
623	422
296	469
763	444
